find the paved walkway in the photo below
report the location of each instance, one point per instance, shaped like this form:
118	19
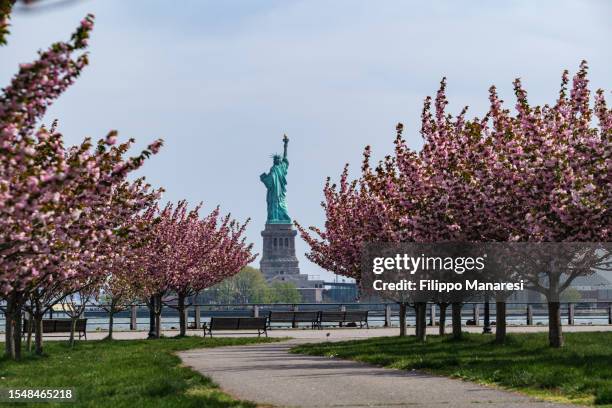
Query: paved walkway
268	374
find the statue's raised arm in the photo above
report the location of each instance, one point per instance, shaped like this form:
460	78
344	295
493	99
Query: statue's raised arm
285	143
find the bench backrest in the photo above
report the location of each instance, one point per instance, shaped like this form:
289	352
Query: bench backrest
64	325
58	325
332	316
356	315
238	323
224	323
253	323
276	316
306	316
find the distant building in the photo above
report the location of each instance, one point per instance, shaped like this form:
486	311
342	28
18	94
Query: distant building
340	292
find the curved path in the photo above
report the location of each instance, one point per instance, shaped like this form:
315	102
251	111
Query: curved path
268	374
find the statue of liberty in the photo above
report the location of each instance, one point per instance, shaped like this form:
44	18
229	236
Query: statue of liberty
276	183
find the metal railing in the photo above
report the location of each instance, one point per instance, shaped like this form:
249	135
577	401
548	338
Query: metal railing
136	316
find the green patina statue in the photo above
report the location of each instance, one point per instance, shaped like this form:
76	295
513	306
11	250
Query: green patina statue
276	183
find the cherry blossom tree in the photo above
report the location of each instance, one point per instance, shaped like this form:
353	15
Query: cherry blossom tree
208	250
555	165
94	260
116	291
542	175
21	104
398	201
354	217
186	254
58	205
151	278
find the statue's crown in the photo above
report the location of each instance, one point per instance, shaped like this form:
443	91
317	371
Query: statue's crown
276	156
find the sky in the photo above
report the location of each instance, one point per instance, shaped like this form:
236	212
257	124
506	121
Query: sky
221	81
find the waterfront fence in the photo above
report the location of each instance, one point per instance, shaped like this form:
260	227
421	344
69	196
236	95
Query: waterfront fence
136	316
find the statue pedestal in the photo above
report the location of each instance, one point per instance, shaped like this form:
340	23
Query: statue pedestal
278	261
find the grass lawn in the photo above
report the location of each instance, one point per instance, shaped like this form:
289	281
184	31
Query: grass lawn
126	373
581	372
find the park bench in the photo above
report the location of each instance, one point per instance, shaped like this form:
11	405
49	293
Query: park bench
294	318
357	316
237	323
340	318
60	326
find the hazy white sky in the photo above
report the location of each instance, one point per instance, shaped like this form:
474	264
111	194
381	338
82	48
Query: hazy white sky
221	81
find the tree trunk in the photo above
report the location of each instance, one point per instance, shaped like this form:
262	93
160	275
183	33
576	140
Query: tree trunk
402	319
152	330
555	333
111	322
500	322
182	317
17	334
417	319
157	325
29	328
158	309
442	325
73	323
13	326
421	321
38	334
456	311
8	333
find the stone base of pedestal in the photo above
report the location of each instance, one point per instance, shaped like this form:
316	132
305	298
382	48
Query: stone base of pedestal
278	260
